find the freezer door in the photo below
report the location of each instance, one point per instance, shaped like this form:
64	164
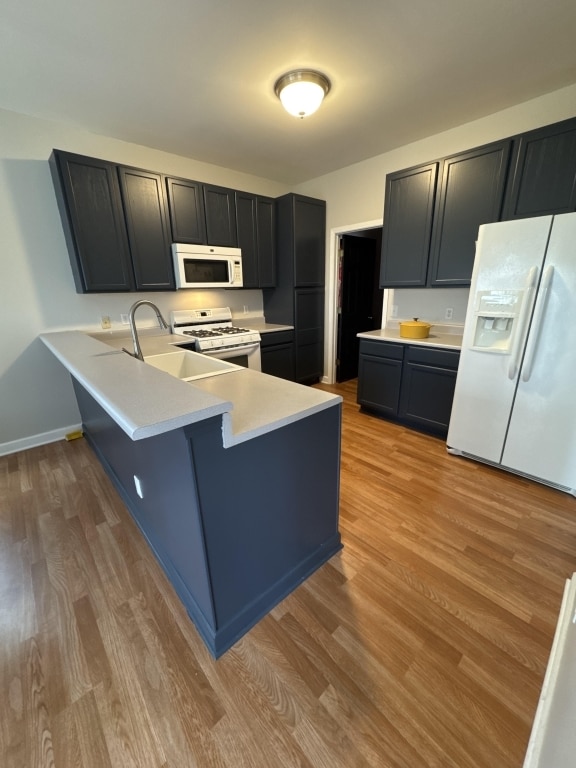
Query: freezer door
542	435
509	255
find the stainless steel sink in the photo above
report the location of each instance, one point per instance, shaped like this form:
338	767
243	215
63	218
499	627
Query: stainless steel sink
188	366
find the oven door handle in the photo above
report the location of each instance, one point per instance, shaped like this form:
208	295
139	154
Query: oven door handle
238	348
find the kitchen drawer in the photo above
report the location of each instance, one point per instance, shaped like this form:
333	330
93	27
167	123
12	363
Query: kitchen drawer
276	337
382	349
441	358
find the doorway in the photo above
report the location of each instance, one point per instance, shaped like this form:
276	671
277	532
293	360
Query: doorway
359	297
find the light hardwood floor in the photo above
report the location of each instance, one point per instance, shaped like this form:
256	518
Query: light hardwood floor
423	643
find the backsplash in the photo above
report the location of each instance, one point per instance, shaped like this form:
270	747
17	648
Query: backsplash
430	304
116	306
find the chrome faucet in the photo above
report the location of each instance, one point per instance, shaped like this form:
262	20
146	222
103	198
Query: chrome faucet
135	341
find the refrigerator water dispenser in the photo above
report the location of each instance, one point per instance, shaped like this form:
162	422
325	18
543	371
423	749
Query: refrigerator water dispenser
496	319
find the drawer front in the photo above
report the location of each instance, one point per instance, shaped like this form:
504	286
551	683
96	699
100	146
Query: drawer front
441	358
382	349
271	338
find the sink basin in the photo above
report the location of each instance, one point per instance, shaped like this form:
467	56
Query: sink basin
188	365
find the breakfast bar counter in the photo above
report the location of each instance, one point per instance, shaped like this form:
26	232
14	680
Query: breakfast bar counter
233	479
145	401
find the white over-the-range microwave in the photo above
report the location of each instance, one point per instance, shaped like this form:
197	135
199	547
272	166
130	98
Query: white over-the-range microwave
207	266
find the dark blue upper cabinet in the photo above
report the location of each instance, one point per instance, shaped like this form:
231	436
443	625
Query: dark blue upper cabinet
220	209
148	228
543	176
255	228
432	212
88	195
471	192
186	206
408	211
116	224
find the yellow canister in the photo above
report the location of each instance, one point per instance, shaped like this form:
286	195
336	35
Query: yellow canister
414	329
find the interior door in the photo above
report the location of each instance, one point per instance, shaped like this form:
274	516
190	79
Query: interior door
357	307
541	437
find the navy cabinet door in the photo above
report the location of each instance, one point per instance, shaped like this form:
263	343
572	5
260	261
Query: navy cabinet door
408	210
148	228
247	239
277	351
255	228
380	376
309	234
186	206
470	193
379	383
220	210
543	179
278	360
88	195
265	236
309	322
428	383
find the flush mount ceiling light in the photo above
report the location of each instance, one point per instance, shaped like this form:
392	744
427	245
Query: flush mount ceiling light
302	91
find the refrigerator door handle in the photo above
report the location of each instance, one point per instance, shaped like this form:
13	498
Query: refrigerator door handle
522	322
537	324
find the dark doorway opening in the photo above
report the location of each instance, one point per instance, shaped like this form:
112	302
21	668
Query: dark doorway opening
359	296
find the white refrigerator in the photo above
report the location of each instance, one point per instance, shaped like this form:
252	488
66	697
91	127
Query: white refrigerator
553	739
515	399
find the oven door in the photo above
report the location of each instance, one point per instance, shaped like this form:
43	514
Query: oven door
246	355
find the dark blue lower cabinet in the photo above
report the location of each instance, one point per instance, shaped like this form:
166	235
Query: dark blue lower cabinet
411	384
277	352
380	376
235	529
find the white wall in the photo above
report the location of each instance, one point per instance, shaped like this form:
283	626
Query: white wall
356	194
37	291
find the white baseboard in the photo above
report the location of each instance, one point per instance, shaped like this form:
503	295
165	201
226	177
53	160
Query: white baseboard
35	440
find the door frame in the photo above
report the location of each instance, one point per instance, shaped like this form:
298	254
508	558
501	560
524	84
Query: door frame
331	318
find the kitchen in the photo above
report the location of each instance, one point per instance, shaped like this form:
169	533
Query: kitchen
36	395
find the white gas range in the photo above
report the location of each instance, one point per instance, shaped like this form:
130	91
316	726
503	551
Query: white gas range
211	332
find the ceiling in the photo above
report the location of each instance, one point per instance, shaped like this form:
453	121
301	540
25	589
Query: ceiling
196	77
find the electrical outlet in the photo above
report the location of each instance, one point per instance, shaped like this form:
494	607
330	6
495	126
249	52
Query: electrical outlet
124	320
448	314
394	310
105	322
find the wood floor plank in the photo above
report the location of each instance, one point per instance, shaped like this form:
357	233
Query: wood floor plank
88	727
422	644
39	745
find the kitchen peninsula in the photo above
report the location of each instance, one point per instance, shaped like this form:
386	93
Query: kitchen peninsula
233	479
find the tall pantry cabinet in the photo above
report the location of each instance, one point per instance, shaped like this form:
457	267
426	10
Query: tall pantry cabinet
298	298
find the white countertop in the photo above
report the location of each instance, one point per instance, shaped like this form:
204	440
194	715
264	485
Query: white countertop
258	323
443	340
145	401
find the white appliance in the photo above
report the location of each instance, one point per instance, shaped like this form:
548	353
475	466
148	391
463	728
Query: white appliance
553	739
515	404
211	332
206	266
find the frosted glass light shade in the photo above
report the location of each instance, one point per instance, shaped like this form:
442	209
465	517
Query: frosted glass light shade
302	91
